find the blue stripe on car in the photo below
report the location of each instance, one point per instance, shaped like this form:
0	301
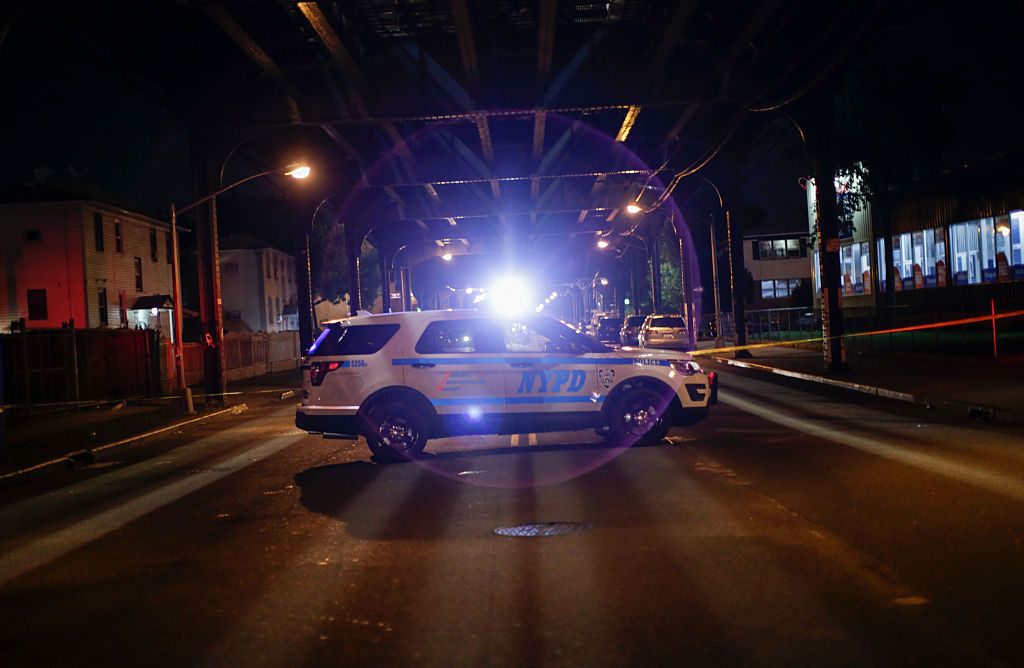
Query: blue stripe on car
484	401
640	361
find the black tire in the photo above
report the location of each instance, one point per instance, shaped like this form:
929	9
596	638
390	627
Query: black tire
395	430
639	416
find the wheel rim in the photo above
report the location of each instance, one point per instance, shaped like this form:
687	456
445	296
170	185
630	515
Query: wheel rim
397	434
640	417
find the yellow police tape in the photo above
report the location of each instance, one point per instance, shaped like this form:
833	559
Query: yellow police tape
893	330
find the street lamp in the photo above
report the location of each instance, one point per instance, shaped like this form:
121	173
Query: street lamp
296	171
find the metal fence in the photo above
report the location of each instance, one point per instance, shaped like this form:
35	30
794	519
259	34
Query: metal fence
870	329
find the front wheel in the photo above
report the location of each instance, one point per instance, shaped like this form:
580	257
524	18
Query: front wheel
395	431
639	416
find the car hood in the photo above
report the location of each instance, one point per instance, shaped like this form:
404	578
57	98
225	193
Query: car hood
629	352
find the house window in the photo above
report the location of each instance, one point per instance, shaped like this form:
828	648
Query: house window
232	315
122	305
169	247
104	318
267	258
275	267
37	305
118	240
270	311
33	235
138	274
277	308
97	230
779	288
152	246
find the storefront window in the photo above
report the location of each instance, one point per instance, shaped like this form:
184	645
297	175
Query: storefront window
1017	243
855	265
880	254
919	259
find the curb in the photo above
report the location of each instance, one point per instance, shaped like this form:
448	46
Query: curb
974	411
62	460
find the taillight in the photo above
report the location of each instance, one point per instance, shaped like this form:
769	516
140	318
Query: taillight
319	370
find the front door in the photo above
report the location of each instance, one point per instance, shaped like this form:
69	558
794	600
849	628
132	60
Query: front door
544	374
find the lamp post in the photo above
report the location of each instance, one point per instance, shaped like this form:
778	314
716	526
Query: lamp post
296	171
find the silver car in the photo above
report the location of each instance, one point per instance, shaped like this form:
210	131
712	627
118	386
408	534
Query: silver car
664	331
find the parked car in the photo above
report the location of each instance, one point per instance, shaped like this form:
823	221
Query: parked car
608	330
400	379
664	331
629	335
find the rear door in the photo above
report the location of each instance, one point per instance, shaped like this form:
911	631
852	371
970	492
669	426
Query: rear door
457	364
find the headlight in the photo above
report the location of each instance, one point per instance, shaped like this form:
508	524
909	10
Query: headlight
686	367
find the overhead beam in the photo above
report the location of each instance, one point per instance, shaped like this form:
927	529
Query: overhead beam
467	50
350	71
670	37
249	46
339	54
467	46
627	123
547	14
751	28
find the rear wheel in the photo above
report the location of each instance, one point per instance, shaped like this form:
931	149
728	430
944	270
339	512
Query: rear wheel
639	416
395	431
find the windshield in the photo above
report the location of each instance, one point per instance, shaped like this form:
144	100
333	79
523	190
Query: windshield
668	322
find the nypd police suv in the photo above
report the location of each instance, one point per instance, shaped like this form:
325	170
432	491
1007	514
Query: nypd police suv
400	379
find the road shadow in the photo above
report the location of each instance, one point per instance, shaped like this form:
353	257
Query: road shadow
413	499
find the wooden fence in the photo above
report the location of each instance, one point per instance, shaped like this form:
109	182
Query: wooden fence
48	366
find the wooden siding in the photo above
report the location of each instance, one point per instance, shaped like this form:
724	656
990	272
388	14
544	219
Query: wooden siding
116	271
53	263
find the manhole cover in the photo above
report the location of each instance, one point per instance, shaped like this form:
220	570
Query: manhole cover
543	529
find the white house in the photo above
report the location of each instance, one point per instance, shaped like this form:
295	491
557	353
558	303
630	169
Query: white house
259	286
83	260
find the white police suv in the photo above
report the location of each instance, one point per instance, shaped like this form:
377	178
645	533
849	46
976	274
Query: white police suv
400	379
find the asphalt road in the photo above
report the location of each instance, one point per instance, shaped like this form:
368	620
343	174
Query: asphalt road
797	525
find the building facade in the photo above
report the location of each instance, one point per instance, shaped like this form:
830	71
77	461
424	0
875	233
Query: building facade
949	245
83	261
259	287
781	267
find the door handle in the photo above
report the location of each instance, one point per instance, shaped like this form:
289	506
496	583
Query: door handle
521	365
423	365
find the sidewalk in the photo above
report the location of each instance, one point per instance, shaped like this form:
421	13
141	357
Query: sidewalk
32	439
994	386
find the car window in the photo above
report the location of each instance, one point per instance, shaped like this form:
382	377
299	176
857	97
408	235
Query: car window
635	321
522	338
353	340
461	336
611	322
668	322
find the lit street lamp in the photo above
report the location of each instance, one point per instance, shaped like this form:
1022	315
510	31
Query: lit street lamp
296	171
